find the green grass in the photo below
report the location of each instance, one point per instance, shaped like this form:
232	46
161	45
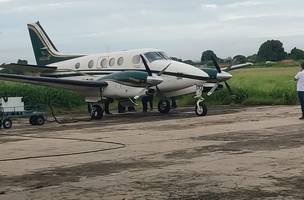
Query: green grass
260	84
41	95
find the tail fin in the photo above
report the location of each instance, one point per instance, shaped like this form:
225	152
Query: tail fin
44	49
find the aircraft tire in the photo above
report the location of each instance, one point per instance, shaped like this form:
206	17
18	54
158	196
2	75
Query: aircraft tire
40	120
201	110
7	123
33	120
96	112
164	106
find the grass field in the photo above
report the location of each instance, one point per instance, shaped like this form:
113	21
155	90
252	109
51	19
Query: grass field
258	85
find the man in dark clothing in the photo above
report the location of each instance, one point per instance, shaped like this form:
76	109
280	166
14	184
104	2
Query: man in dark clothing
121	108
144	101
151	102
173	104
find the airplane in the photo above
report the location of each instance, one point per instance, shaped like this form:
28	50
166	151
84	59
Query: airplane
122	75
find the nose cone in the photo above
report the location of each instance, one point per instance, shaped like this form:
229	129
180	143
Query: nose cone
223	76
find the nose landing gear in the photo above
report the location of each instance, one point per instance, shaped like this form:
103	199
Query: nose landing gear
200	107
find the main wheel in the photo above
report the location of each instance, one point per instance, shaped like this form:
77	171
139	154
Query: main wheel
33	120
7	123
201	110
164	107
40	120
96	112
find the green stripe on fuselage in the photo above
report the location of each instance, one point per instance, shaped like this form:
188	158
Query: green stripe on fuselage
130	78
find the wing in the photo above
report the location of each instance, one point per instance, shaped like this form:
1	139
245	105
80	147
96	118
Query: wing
55	82
29	69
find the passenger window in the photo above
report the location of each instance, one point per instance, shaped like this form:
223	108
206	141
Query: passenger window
77	65
120	61
112	62
91	64
136	59
103	63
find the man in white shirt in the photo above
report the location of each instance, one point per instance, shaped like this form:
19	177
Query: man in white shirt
300	88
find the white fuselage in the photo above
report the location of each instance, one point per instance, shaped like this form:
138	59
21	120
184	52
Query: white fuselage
92	67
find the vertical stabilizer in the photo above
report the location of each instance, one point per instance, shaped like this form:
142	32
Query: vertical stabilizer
44	49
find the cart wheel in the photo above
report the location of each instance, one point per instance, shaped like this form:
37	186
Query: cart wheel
7	123
33	120
40	120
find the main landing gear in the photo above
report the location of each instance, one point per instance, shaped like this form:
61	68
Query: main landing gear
164	106
96	111
200	107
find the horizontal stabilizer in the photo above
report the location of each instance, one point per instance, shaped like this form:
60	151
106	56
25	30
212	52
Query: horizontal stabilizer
29	69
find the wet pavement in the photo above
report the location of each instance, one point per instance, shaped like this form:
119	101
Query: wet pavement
234	153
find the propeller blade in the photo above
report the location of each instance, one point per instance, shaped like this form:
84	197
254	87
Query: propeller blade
158	90
146	65
141	93
218	68
162	71
228	87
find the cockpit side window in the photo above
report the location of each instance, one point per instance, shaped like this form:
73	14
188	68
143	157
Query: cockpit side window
152	56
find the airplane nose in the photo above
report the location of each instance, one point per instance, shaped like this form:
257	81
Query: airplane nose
204	74
200	74
223	76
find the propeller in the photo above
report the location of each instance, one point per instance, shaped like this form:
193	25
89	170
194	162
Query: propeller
162	71
218	68
146	65
150	72
229	88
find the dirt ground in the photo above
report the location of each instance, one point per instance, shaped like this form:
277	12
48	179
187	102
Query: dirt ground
234	153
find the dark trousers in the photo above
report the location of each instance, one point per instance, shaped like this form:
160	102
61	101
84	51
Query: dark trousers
144	101
301	100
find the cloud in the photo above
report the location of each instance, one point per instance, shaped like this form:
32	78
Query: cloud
5	1
209	6
39	6
245	4
183	28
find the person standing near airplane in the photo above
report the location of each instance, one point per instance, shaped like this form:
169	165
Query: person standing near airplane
300	88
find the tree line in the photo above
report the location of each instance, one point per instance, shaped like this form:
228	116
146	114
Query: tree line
271	50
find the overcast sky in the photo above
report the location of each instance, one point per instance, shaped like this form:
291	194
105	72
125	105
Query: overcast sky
183	28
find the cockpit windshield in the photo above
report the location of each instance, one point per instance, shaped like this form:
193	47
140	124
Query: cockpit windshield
152	56
164	55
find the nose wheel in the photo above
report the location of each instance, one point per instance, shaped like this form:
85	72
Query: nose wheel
201	108
164	106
